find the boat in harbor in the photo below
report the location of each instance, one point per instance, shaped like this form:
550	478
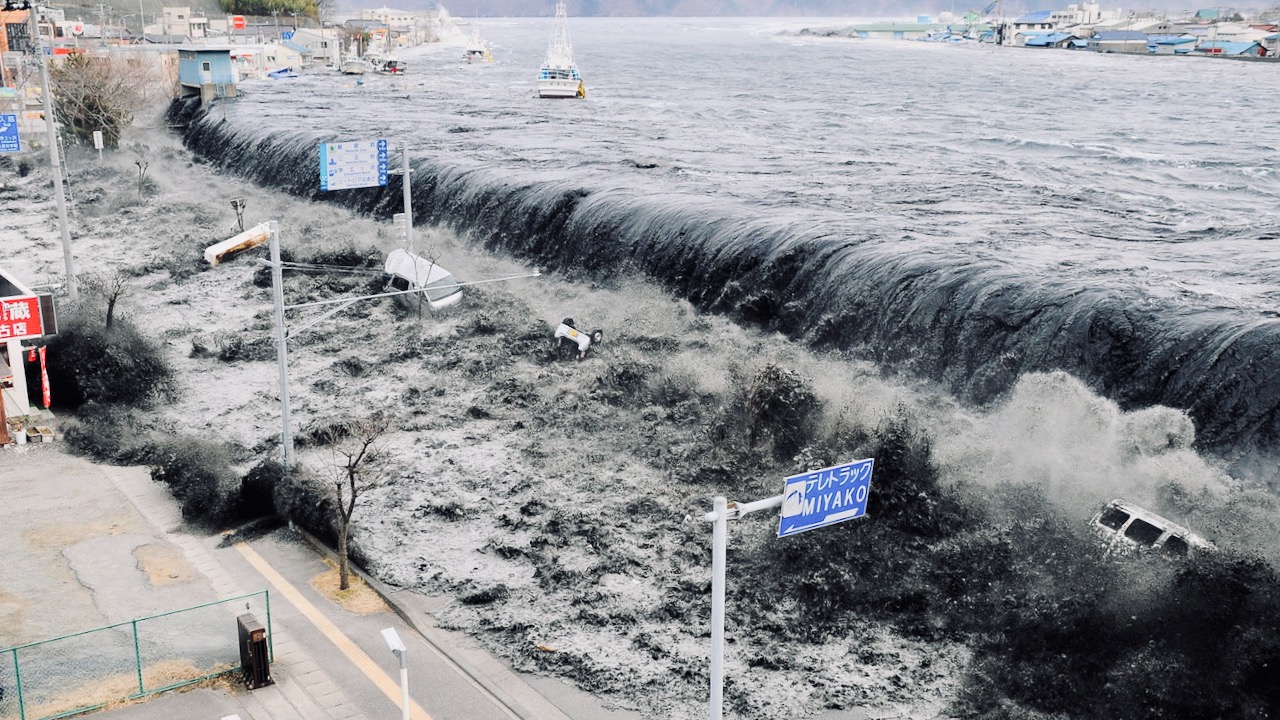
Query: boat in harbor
559	76
477	49
356	66
392	66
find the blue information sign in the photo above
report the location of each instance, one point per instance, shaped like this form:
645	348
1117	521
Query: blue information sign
825	497
9	142
363	163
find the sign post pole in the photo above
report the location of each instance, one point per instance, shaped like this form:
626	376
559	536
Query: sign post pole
809	500
282	348
720	516
719	548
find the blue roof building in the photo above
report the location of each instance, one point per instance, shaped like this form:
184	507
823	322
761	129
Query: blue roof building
1051	40
1230	48
206	72
1170	44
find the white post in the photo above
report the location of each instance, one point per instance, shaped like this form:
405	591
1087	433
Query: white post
719	517
719	543
282	348
404	686
396	645
52	135
408	202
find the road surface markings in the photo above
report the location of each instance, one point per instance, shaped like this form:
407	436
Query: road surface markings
353	652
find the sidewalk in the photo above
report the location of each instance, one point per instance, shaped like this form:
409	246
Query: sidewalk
328	662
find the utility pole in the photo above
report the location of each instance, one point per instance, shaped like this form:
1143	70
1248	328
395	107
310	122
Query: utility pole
408	202
282	348
56	162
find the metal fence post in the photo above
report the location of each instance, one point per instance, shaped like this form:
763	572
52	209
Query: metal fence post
17	676
137	658
271	638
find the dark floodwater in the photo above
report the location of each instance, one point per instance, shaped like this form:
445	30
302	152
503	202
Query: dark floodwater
965	214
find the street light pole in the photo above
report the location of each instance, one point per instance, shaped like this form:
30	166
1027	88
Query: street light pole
51	134
392	638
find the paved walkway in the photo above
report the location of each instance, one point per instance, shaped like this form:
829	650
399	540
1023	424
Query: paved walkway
111	544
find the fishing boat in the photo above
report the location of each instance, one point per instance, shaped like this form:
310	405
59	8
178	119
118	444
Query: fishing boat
477	49
391	66
559	76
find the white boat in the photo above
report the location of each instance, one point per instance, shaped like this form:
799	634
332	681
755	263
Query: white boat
356	66
477	49
559	76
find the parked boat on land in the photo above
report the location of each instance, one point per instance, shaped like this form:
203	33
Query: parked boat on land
559	76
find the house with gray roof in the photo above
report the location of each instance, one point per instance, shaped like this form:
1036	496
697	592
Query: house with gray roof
1119	41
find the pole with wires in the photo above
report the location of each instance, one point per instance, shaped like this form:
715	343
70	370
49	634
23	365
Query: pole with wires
55	161
408	203
282	346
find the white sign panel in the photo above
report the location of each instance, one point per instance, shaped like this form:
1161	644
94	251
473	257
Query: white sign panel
346	165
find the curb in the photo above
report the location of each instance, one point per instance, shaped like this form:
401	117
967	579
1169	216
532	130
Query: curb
428	633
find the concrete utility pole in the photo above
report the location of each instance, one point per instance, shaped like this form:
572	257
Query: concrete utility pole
408	201
282	347
56	162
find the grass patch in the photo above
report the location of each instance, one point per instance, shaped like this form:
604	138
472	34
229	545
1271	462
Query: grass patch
359	598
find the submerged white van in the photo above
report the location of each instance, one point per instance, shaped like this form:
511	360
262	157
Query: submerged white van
406	271
1127	527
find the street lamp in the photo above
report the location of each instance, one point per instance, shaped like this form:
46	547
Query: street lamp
397	647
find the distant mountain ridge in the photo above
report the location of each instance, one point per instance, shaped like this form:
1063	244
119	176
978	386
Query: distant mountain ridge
655	8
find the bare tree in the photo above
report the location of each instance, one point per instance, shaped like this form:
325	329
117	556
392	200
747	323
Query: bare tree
359	463
110	286
102	92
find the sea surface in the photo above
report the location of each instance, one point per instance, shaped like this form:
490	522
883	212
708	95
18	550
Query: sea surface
961	214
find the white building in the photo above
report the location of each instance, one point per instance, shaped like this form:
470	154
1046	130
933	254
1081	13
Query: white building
181	21
325	44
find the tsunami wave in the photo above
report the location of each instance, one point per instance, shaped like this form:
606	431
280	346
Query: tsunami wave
971	323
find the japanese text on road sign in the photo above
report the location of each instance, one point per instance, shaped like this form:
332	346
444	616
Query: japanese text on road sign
9	142
825	497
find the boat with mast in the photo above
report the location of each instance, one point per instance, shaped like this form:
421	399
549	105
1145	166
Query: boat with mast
559	76
477	49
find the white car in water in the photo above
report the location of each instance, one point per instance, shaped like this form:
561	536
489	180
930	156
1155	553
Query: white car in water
1126	527
572	342
405	272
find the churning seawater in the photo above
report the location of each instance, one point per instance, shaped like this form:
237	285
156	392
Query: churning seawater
964	214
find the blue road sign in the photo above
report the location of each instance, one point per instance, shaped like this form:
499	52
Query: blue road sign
363	163
9	142
825	497
286	35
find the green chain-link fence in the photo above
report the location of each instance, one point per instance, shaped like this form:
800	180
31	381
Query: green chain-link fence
91	669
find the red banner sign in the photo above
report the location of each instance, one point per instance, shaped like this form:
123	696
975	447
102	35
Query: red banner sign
44	378
20	317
